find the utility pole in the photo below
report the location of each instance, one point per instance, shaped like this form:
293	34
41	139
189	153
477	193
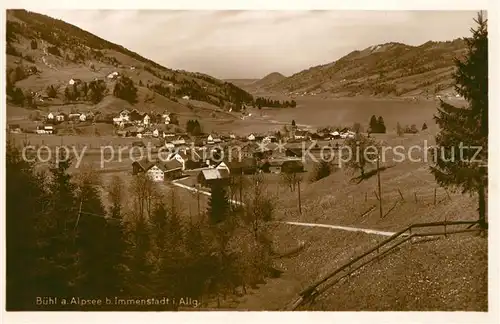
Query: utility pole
77	220
198	198
379	187
300	203
241	185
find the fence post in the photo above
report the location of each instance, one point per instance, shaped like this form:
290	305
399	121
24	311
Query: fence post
435	196
402	198
415	194
366	197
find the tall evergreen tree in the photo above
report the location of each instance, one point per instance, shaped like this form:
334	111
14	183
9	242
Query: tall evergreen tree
467	126
61	252
218	206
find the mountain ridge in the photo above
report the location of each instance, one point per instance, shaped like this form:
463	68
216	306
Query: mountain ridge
389	69
58	51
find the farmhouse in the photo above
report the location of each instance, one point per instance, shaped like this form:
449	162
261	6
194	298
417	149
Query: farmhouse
207	177
300	135
153	170
45	129
222	166
283	165
146	120
50	116
251	137
245	166
173	170
181	157
185	97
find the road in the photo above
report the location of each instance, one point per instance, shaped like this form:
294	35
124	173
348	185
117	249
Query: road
342	228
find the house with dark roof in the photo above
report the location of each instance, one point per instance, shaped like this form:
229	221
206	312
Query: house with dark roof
245	166
293	152
172	170
283	165
207	177
300	135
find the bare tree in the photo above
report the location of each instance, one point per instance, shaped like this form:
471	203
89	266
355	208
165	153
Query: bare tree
364	152
144	194
116	195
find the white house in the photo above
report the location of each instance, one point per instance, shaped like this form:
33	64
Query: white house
50	116
251	137
232	136
166	119
124	115
185	97
117	120
156	133
210	139
155	174
83	117
47	129
146	119
222	166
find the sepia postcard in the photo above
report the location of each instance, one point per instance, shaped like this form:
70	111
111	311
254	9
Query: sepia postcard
161	160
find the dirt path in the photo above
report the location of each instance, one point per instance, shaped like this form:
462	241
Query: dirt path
342	228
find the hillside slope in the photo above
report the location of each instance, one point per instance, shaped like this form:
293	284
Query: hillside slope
391	69
270	79
44	52
418	277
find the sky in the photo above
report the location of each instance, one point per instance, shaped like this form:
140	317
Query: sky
252	44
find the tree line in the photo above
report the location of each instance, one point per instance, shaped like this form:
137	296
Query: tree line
264	102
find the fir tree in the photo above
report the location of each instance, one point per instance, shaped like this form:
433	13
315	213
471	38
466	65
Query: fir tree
218	206
468	126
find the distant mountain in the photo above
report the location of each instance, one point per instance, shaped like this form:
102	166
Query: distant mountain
270	80
44	52
391	69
